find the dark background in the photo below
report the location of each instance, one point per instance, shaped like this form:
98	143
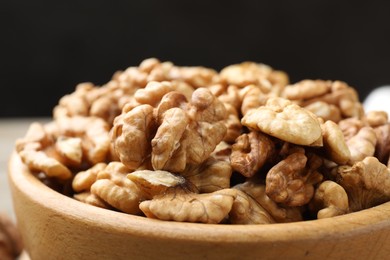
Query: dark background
47	47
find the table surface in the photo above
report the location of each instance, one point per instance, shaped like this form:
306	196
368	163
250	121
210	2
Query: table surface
10	130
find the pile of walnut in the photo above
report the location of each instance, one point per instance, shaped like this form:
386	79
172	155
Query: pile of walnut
239	146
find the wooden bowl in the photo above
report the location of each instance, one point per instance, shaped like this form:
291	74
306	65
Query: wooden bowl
54	226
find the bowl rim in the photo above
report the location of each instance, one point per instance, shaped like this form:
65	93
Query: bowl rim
342	227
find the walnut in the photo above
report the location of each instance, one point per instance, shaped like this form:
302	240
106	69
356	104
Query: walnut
209	176
366	182
133	130
83	180
230	95
376	118
325	111
70	148
283	119
246	73
342	96
91	199
198	128
116	189
153	183
351	126
290	181
37	152
93	131
279	213
382	148
196	76
253	97
232	123
168	139
153	92
334	143
362	144
179	204
11	244
246	210
222	152
250	152
75	103
306	89
330	199
40	161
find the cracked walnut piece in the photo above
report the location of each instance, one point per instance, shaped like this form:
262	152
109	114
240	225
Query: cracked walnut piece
367	183
284	120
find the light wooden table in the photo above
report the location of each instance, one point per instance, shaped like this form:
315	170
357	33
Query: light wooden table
10	130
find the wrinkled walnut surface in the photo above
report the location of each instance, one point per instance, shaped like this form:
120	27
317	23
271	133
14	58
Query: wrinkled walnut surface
243	145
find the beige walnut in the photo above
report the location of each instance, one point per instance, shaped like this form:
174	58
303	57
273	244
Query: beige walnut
306	89
334	143
367	183
246	210
376	118
250	152
279	213
362	145
178	204
290	181
83	180
11	244
174	134
211	175
382	148
133	131
330	199
245	73
116	189
284	120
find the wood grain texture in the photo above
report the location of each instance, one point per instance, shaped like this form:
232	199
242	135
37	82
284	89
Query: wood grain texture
57	227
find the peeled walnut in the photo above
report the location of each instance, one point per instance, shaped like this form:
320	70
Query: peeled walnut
167	140
367	183
351	126
253	97
209	176
94	133
334	143
174	134
287	121
91	199
289	182
306	89
196	76
362	144
382	148
279	213
132	131
246	210
70	148
250	152
376	118
83	180
246	73
11	244
232	123
340	94
154	183
180	205
325	111
330	199
115	189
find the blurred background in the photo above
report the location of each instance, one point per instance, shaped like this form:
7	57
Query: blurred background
48	47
